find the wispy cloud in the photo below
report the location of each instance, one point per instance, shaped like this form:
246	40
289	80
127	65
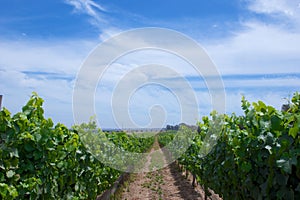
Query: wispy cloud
91	8
257	47
86	6
262	45
44	55
17	87
47	67
285	13
287	8
260	48
99	17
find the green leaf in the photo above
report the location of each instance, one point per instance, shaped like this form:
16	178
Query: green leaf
28	147
6	112
10	173
294	130
3	189
14	153
264	187
285	165
60	164
281	179
276	123
37	155
285	193
2	166
246	167
8	192
245	105
37	137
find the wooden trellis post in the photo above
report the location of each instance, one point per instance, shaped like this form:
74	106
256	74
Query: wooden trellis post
0	101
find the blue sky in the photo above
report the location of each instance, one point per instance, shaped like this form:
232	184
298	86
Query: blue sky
254	44
62	19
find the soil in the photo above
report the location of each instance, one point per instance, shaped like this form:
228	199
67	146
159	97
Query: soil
166	183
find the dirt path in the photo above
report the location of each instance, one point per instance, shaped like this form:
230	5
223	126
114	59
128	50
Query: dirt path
166	183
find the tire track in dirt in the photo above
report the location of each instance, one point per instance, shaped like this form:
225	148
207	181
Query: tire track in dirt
167	183
140	187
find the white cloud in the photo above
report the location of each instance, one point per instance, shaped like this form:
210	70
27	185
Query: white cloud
86	6
48	56
258	83
91	8
130	84
287	8
262	46
46	67
259	49
99	17
283	13
17	88
109	32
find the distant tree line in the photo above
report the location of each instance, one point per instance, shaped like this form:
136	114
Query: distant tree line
170	127
176	127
